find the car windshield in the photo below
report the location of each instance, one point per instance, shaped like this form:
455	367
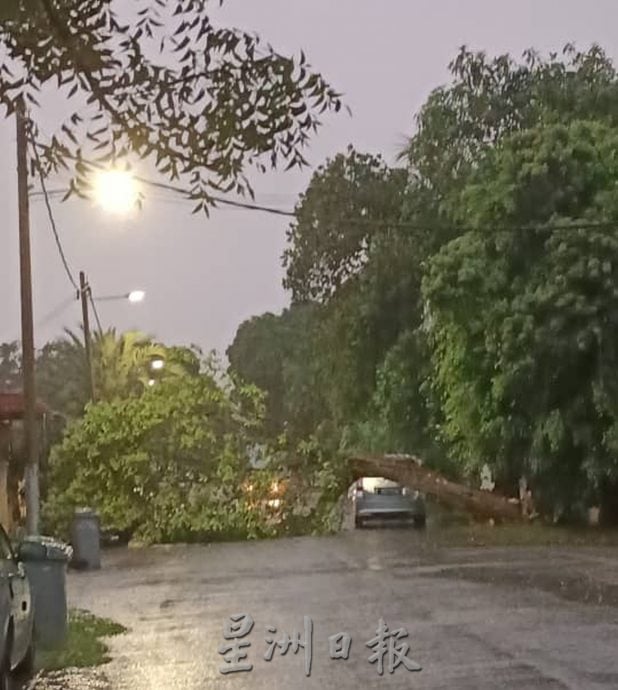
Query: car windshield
389	490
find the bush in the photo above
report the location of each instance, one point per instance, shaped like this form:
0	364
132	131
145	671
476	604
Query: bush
170	465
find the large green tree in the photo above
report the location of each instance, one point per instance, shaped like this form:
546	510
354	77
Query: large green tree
62	377
351	200
490	98
486	358
169	465
355	273
348	251
363	321
524	312
280	355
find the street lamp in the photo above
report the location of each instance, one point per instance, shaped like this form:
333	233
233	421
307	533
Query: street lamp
117	191
85	294
135	297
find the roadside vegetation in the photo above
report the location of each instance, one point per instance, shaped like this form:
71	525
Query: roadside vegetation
461	306
85	646
479	535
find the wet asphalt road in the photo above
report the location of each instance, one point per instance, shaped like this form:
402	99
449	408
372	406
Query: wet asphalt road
477	618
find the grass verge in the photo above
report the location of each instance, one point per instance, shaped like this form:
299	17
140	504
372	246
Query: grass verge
480	535
84	646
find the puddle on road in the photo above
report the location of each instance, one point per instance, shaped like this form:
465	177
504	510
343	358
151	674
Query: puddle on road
375	564
580	589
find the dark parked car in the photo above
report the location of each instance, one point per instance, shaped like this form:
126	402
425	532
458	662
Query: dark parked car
376	498
16	616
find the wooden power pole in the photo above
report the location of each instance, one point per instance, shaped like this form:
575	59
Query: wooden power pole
84	296
31	474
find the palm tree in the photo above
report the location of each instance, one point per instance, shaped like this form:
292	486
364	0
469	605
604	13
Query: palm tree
62	377
122	363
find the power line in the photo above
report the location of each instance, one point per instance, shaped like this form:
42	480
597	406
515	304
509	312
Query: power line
366	221
241	205
46	196
217	199
58	309
173	199
50	214
374	222
96	313
55	311
404	225
50	193
179	190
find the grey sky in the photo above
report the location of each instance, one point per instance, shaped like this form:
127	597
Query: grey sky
204	276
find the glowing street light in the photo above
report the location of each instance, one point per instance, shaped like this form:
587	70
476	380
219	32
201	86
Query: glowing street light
85	295
116	191
157	364
136	296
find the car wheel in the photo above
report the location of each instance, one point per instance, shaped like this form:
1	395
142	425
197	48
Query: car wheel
359	523
420	521
26	665
5	673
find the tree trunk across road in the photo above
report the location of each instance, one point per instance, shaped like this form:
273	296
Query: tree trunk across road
409	471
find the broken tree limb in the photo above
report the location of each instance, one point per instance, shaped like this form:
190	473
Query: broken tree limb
409	471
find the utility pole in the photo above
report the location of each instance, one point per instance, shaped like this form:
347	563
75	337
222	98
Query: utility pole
31	474
84	293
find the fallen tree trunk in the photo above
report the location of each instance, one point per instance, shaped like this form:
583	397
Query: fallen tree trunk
409	471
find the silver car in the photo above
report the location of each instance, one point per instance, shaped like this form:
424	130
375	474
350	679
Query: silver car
376	498
16	617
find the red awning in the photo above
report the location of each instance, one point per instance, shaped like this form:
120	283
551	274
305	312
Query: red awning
12	406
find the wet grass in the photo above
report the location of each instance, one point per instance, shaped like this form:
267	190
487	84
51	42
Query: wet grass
84	646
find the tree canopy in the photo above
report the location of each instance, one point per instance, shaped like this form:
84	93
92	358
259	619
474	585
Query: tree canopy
463	308
490	98
122	367
466	306
170	464
160	82
349	201
274	353
523	317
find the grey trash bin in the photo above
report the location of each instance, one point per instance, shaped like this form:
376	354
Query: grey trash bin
86	539
45	562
